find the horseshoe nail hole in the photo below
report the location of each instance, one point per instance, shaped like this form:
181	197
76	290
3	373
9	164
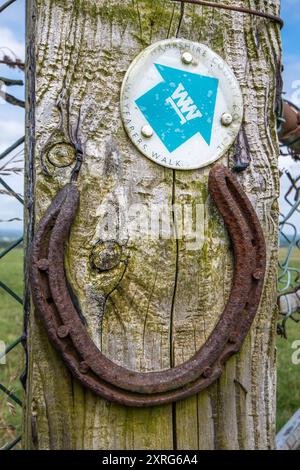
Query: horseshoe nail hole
207	372
228	182
233	338
49	300
253	241
61	155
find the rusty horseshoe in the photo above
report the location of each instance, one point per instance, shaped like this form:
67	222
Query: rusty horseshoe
68	333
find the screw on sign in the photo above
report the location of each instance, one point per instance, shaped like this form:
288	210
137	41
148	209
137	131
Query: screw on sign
147	131
187	58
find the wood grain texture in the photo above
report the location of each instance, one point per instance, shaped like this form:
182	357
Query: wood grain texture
158	305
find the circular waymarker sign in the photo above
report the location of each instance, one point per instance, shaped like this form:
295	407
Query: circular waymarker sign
181	104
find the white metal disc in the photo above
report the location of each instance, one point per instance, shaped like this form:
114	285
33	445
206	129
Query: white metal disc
181	104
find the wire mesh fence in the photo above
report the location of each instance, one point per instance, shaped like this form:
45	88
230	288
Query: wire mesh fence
289	227
11	163
9	291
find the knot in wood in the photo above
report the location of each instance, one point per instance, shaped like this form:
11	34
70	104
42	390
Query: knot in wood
106	256
61	155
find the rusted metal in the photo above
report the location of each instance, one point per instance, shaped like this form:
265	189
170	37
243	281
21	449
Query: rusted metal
289	130
115	383
245	10
63	331
43	264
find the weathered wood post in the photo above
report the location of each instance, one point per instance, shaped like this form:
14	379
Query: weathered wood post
149	304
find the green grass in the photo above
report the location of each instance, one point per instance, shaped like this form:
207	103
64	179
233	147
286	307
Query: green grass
11	273
11	324
288	390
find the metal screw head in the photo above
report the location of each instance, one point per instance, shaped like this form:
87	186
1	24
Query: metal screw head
187	58
226	119
84	367
43	264
258	274
63	331
147	131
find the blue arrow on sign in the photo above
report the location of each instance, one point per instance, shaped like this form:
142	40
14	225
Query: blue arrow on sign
180	106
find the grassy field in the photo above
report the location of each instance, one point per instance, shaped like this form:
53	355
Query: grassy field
11	327
11	274
288	391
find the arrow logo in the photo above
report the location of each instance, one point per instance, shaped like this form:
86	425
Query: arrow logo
180	106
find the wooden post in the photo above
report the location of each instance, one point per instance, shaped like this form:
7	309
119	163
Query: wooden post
160	303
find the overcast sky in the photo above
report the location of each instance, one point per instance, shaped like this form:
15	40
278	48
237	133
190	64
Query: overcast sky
12	34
